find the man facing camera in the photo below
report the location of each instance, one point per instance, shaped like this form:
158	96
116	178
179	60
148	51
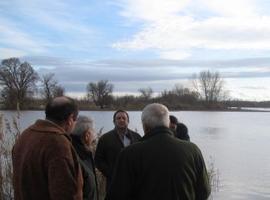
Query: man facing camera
111	143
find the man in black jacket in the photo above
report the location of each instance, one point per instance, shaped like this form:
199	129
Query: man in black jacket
159	166
180	130
111	143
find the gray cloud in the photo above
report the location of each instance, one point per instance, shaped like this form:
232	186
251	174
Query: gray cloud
129	75
56	61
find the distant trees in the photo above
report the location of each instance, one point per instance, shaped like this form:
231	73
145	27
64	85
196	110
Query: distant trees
58	91
146	93
50	87
126	101
179	97
18	82
210	86
100	93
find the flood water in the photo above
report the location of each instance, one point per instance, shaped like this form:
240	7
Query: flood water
235	144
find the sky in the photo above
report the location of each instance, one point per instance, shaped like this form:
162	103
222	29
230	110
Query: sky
142	43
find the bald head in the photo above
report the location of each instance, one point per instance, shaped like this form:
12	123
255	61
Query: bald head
155	115
59	109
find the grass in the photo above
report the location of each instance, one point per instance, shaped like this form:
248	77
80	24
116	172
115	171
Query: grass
214	175
9	132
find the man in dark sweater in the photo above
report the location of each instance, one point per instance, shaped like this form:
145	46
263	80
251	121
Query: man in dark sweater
111	143
159	166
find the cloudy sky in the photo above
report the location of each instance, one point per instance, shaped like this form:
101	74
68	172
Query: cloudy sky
142	43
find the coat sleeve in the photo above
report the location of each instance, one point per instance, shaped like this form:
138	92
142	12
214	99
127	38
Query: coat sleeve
203	188
65	177
120	188
100	158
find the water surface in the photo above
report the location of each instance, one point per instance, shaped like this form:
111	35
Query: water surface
237	143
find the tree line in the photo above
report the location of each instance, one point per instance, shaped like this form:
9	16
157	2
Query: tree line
21	87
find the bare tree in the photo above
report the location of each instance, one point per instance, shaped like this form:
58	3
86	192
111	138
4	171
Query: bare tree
100	92
58	91
50	87
18	81
146	93
209	85
180	90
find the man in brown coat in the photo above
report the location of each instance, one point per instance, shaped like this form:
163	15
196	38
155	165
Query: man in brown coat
44	162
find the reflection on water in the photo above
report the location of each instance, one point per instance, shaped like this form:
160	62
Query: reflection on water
237	142
211	130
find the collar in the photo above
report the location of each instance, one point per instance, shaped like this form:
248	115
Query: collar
81	149
121	136
157	131
47	126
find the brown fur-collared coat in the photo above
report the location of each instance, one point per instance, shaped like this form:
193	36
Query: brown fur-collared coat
45	164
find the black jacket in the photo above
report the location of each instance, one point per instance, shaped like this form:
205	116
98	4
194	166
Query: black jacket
182	132
160	167
108	148
90	187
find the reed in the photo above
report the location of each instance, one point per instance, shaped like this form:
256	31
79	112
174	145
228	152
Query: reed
9	132
214	177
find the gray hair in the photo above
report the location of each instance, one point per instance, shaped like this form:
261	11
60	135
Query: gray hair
83	124
155	115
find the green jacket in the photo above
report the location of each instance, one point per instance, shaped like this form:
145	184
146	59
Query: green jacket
160	167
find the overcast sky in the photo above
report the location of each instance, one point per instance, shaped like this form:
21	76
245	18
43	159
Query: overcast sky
142	43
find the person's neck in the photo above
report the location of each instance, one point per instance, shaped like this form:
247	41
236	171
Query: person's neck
121	131
61	125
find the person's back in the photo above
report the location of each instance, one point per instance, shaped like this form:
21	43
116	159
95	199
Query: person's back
182	132
160	167
45	164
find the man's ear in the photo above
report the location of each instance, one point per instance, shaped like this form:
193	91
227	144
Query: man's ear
70	119
146	129
85	137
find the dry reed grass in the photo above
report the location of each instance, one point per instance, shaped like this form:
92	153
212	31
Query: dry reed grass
9	132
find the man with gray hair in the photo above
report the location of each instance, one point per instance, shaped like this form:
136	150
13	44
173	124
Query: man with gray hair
83	136
159	166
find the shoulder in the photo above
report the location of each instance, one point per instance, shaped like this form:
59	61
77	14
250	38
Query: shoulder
192	148
107	136
134	134
181	125
59	141
134	149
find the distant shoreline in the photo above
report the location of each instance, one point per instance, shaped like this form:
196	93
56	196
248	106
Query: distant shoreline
172	110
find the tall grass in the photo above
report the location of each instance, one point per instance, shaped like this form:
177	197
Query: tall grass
101	180
9	132
214	177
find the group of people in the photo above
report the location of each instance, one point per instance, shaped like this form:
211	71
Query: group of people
53	159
